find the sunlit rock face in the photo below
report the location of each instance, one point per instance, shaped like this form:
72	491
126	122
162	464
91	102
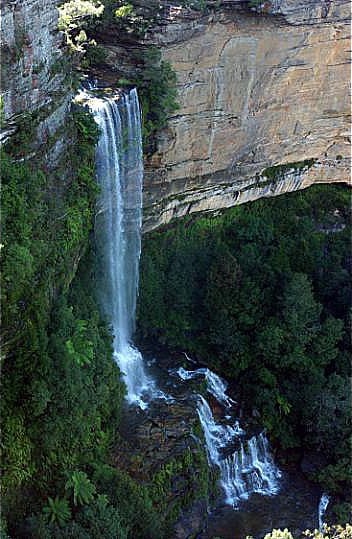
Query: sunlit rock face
255	90
258	87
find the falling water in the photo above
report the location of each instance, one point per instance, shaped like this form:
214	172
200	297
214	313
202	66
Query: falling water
119	164
246	465
215	385
323	503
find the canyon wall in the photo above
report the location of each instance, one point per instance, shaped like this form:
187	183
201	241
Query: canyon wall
256	90
35	75
258	87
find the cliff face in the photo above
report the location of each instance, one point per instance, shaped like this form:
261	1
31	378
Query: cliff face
257	87
33	81
256	90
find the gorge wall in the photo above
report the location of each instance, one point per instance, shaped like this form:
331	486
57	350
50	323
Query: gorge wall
256	90
36	85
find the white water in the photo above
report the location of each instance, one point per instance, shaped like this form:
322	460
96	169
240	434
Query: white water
119	165
215	385
323	503
248	469
246	466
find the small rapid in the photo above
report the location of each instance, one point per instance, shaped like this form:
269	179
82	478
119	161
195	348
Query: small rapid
323	504
215	385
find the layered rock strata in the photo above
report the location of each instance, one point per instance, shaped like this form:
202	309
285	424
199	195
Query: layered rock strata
258	87
34	70
256	90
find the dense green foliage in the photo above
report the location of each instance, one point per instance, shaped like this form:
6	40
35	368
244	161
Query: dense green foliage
157	91
61	389
192	478
262	294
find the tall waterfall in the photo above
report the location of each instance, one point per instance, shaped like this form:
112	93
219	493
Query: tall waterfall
246	465
119	165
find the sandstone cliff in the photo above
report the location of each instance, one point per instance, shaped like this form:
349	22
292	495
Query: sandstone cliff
258	87
256	90
34	83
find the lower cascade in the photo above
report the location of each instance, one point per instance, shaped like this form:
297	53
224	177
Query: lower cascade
323	504
246	466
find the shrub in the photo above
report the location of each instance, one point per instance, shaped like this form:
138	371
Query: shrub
82	488
57	511
157	90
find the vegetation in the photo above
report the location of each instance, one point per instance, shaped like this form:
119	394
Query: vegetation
158	94
156	80
136	17
195	481
61	389
266	304
255	3
277	172
329	532
124	11
75	16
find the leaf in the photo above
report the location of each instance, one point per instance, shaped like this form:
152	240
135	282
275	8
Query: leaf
57	510
83	488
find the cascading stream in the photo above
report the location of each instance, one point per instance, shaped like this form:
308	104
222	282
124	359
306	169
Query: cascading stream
247	469
119	165
215	385
323	504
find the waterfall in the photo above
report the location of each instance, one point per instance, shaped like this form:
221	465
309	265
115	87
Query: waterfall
248	469
215	385
246	465
119	166
323	503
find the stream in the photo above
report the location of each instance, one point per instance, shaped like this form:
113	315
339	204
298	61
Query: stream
160	431
283	499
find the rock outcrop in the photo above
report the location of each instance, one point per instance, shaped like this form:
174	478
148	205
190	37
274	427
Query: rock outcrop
34	83
256	90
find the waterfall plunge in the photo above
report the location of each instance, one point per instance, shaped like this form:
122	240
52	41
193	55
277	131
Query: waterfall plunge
119	165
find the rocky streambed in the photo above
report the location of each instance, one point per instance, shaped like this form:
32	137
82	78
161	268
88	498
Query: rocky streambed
165	446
